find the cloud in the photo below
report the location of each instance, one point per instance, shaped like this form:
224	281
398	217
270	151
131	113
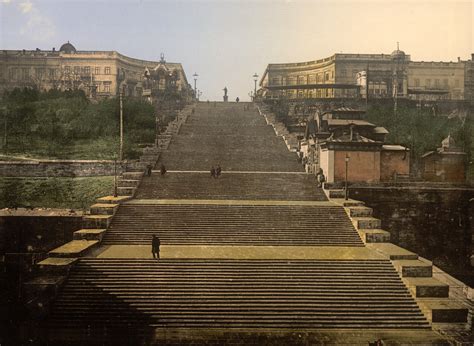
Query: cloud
26	6
37	26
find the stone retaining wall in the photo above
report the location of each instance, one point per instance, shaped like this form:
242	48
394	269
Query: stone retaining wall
60	168
436	223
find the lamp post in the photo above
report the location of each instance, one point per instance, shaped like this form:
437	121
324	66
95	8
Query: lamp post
115	177
255	77
121	94
346	192
195	75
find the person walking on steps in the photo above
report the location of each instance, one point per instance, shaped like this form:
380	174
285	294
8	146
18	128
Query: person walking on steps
218	171
148	170
320	177
155	247
163	169
213	172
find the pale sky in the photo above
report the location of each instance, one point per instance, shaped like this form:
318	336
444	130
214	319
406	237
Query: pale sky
226	42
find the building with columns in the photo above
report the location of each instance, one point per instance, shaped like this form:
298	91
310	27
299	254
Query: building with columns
392	75
98	73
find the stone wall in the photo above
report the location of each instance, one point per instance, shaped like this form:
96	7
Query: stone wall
26	239
435	222
60	168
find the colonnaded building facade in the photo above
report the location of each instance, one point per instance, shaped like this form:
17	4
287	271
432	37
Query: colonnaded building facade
98	73
388	75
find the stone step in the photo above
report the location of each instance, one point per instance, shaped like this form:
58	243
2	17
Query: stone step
114	199
340	193
427	287
90	234
443	310
45	284
74	248
149	157
132	175
128	183
56	266
348	203
374	235
393	252
360	211
151	150
96	221
366	223
413	268
103	208
126	191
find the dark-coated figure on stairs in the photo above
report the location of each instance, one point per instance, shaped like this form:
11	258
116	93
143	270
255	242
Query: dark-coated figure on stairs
155	247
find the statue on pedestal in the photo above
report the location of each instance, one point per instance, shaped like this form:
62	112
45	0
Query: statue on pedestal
226	98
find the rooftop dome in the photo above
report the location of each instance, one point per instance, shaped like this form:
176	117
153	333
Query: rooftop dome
398	54
67	48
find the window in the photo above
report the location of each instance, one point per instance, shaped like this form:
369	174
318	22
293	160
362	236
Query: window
13	73
77	69
428	83
276	81
456	83
343	73
107	70
437	83
87	70
107	87
332	74
445	83
67	69
97	70
301	80
417	82
25	73
52	73
326	78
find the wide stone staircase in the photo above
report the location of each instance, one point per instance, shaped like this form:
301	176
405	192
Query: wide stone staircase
231	185
233	225
237	140
324	279
112	296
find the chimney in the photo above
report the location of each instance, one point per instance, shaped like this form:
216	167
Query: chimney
54	49
459	59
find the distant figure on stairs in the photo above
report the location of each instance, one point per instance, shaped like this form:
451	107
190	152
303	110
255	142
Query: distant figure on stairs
155	247
213	172
218	171
148	170
163	169
237	99
320	177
